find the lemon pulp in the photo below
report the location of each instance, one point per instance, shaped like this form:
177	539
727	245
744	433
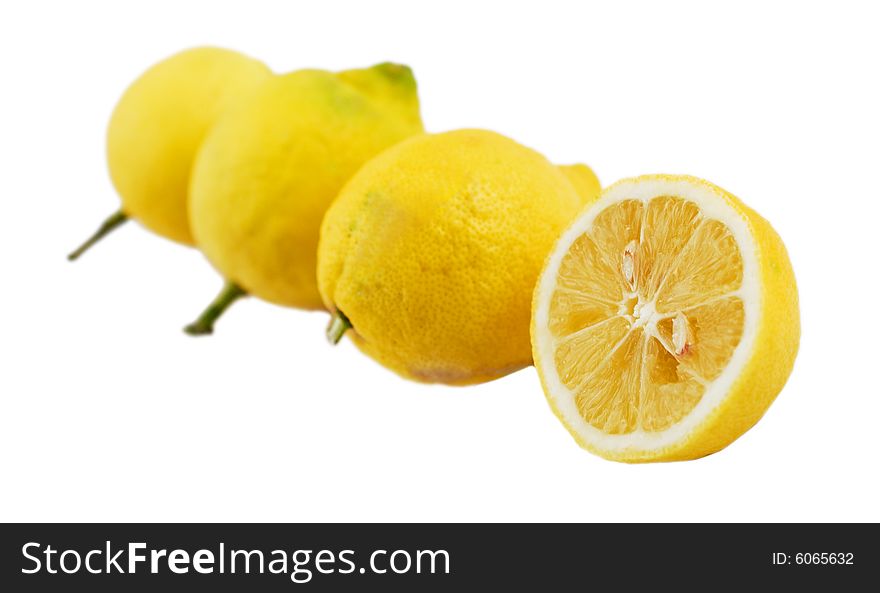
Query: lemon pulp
646	312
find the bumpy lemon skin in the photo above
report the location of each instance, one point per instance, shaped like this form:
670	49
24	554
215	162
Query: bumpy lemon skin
433	248
158	125
268	171
584	180
767	369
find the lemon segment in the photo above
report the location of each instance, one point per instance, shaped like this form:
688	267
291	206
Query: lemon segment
653	317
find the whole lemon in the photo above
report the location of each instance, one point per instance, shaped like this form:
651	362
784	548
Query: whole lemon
430	254
269	169
156	129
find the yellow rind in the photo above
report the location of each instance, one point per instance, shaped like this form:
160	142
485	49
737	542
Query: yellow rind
584	180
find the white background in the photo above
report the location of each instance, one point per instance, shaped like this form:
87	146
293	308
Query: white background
109	412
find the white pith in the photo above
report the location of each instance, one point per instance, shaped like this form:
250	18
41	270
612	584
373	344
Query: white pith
712	205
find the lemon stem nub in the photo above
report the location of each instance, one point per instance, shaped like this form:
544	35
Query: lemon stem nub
204	325
339	324
115	220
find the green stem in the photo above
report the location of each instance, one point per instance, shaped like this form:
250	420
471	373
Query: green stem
339	324
115	220
204	325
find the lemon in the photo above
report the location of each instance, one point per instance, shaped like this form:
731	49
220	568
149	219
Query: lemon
584	180
156	128
270	167
429	255
665	320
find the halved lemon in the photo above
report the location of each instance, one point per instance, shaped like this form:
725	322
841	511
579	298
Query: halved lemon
665	320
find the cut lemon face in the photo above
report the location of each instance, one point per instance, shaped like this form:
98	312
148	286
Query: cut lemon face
665	321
